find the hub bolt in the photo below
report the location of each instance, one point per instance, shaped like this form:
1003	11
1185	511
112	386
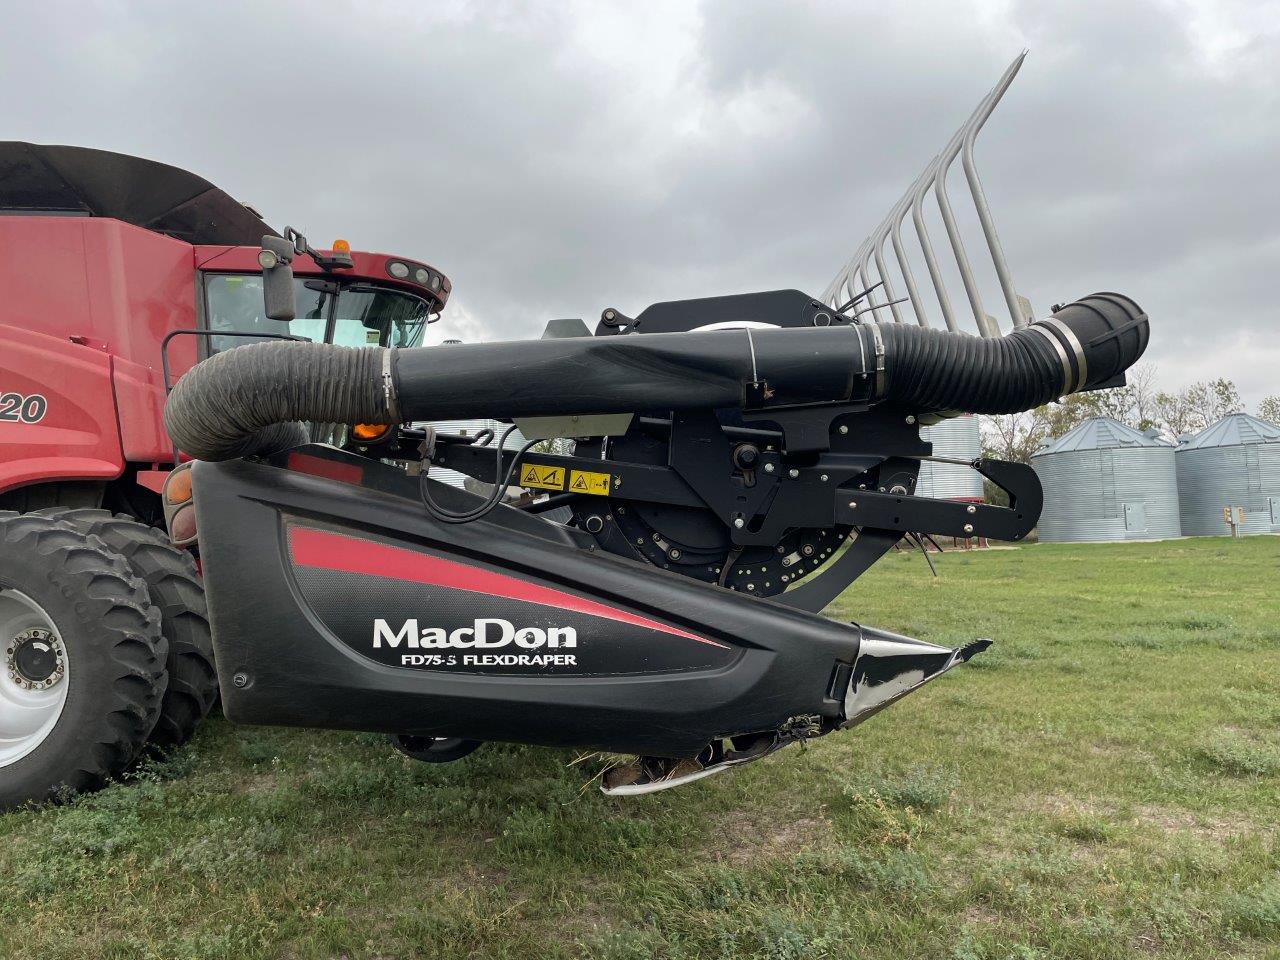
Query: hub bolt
844	430
768	468
793	473
746	456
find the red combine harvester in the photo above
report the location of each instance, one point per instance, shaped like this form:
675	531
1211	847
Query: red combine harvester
119	274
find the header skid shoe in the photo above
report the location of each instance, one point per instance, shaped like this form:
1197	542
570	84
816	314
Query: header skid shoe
888	667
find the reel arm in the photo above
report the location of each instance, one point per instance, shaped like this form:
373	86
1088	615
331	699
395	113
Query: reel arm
760	498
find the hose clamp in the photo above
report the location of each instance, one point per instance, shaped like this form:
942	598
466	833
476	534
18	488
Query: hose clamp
878	340
1069	337
1062	356
389	387
862	356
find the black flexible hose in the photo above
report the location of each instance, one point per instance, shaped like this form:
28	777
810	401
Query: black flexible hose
1083	346
247	401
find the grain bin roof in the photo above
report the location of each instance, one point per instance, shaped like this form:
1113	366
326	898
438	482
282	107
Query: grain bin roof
1101	433
1234	430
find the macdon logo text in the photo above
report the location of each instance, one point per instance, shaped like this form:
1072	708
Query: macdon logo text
483	634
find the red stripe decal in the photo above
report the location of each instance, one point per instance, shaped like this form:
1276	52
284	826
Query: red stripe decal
331	551
329	469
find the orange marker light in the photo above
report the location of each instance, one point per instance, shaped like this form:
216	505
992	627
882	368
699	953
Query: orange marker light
177	486
368	432
341	246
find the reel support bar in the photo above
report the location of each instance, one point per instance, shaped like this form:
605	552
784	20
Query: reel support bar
934	177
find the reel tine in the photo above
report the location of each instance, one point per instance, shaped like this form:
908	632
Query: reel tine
904	266
884	276
922	234
970	127
934	177
980	198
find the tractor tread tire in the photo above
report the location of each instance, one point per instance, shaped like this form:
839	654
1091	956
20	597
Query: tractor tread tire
173	582
116	656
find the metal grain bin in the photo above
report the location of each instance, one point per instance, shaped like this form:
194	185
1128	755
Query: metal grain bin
1106	481
1232	463
960	438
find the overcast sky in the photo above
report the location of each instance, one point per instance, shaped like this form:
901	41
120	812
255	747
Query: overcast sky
557	158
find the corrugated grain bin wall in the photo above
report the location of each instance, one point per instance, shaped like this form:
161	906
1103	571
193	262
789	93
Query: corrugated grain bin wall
961	438
1232	463
1106	481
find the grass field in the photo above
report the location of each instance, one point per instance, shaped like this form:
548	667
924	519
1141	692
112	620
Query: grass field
1104	782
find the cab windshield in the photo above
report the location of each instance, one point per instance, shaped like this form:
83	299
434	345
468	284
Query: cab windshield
352	314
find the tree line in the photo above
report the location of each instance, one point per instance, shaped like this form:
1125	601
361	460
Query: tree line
1141	404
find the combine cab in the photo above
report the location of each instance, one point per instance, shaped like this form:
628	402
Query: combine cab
119	274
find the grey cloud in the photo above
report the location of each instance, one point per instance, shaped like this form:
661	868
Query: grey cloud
560	158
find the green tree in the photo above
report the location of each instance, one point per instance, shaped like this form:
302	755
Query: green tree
1195	407
1269	408
1018	436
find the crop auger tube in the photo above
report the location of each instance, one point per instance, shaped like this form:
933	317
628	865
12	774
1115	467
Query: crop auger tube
248	401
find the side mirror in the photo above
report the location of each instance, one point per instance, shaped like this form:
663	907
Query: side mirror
277	278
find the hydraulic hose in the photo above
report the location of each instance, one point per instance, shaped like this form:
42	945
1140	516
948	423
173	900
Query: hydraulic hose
248	400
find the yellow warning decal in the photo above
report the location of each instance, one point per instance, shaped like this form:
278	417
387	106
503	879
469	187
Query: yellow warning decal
582	481
544	478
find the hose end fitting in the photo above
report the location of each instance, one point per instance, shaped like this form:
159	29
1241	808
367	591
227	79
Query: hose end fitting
1100	337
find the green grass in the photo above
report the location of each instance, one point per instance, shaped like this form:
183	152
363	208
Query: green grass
1104	782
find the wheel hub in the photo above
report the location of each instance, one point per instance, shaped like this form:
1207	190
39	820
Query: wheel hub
34	675
35	659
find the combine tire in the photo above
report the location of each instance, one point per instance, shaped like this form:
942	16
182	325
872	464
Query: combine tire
174	585
81	661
